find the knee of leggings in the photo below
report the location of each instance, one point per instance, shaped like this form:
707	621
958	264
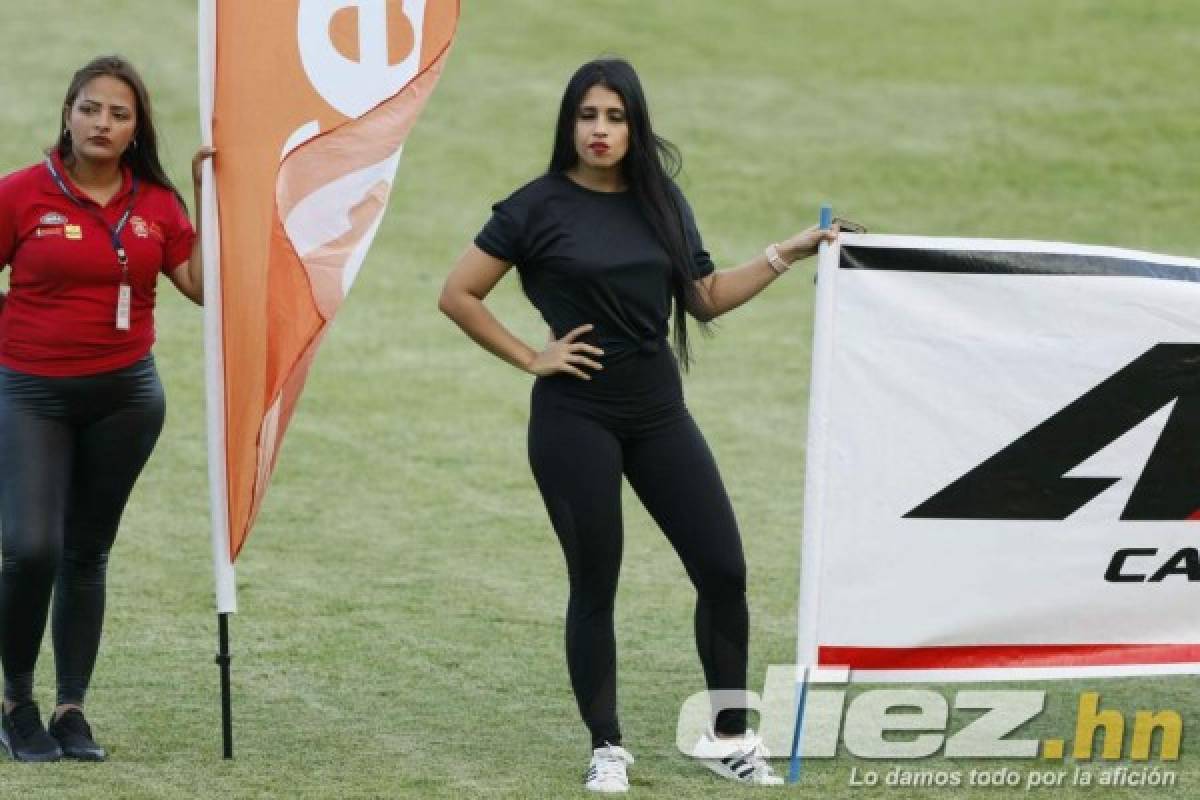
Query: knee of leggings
594	582
591	600
723	582
31	559
84	559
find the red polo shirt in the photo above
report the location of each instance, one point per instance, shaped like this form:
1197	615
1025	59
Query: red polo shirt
60	316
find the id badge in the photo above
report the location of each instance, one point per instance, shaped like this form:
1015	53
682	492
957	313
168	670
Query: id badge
124	297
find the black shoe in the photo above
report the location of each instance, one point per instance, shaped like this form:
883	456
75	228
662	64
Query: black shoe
74	735
24	738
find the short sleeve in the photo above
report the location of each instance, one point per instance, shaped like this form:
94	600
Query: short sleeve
8	221
178	236
501	236
701	263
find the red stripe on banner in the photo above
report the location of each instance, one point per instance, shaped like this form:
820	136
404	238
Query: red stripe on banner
1007	655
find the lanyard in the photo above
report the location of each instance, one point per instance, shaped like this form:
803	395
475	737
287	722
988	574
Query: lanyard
113	232
124	293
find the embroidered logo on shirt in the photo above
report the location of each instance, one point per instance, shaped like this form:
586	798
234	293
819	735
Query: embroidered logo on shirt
139	227
52	218
42	233
73	232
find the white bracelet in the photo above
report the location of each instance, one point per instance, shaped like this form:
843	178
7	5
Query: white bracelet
775	261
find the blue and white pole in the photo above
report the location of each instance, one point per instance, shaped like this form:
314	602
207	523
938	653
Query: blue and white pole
824	222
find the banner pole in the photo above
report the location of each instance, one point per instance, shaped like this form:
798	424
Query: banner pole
214	371
814	486
798	731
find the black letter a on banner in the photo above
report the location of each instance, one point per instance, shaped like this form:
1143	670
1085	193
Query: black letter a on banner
1025	480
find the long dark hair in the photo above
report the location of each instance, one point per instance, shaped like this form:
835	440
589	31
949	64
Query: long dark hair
649	167
142	154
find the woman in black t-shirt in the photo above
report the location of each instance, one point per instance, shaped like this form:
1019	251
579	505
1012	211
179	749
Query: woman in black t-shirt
606	247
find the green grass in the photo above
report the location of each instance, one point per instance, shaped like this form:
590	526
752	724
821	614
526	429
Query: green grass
400	631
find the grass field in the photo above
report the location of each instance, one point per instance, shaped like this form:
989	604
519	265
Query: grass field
401	599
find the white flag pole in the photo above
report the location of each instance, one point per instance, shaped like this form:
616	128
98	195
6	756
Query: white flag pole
814	483
214	373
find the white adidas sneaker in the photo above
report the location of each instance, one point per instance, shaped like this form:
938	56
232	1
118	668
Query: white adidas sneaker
742	759
606	772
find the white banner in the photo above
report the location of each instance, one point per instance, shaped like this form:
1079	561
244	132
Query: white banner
1004	453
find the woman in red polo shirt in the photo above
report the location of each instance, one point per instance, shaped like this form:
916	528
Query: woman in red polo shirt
86	233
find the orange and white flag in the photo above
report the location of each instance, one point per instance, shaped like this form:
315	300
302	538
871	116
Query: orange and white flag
308	103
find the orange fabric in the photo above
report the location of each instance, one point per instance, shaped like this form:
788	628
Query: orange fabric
291	223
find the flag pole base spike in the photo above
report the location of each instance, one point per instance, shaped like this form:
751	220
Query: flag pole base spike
223	660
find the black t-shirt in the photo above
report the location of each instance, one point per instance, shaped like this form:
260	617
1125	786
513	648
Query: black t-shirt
587	256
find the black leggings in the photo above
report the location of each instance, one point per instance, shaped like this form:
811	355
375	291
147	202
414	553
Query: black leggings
70	451
583	436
